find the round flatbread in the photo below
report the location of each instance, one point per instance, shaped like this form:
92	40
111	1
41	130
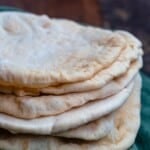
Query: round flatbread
37	51
131	53
91	131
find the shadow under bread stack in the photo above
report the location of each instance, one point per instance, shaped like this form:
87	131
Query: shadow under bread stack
64	86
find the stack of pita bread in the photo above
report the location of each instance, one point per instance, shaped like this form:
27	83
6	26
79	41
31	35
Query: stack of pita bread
64	86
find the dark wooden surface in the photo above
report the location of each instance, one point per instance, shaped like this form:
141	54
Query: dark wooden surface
133	16
80	10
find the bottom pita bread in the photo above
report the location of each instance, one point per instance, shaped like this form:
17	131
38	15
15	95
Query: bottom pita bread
127	122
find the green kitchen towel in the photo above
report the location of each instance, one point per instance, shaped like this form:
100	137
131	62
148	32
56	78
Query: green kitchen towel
9	8
143	138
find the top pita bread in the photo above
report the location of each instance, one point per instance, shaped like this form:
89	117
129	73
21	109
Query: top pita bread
118	68
37	51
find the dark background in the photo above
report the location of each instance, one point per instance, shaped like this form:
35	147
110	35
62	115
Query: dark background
131	15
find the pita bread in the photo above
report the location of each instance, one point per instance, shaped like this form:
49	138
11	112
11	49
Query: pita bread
32	107
92	131
62	122
37	57
127	125
118	68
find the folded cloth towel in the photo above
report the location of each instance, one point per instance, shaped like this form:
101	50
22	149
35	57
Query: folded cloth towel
143	137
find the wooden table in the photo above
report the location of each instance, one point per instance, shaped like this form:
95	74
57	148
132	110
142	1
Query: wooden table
114	14
87	11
